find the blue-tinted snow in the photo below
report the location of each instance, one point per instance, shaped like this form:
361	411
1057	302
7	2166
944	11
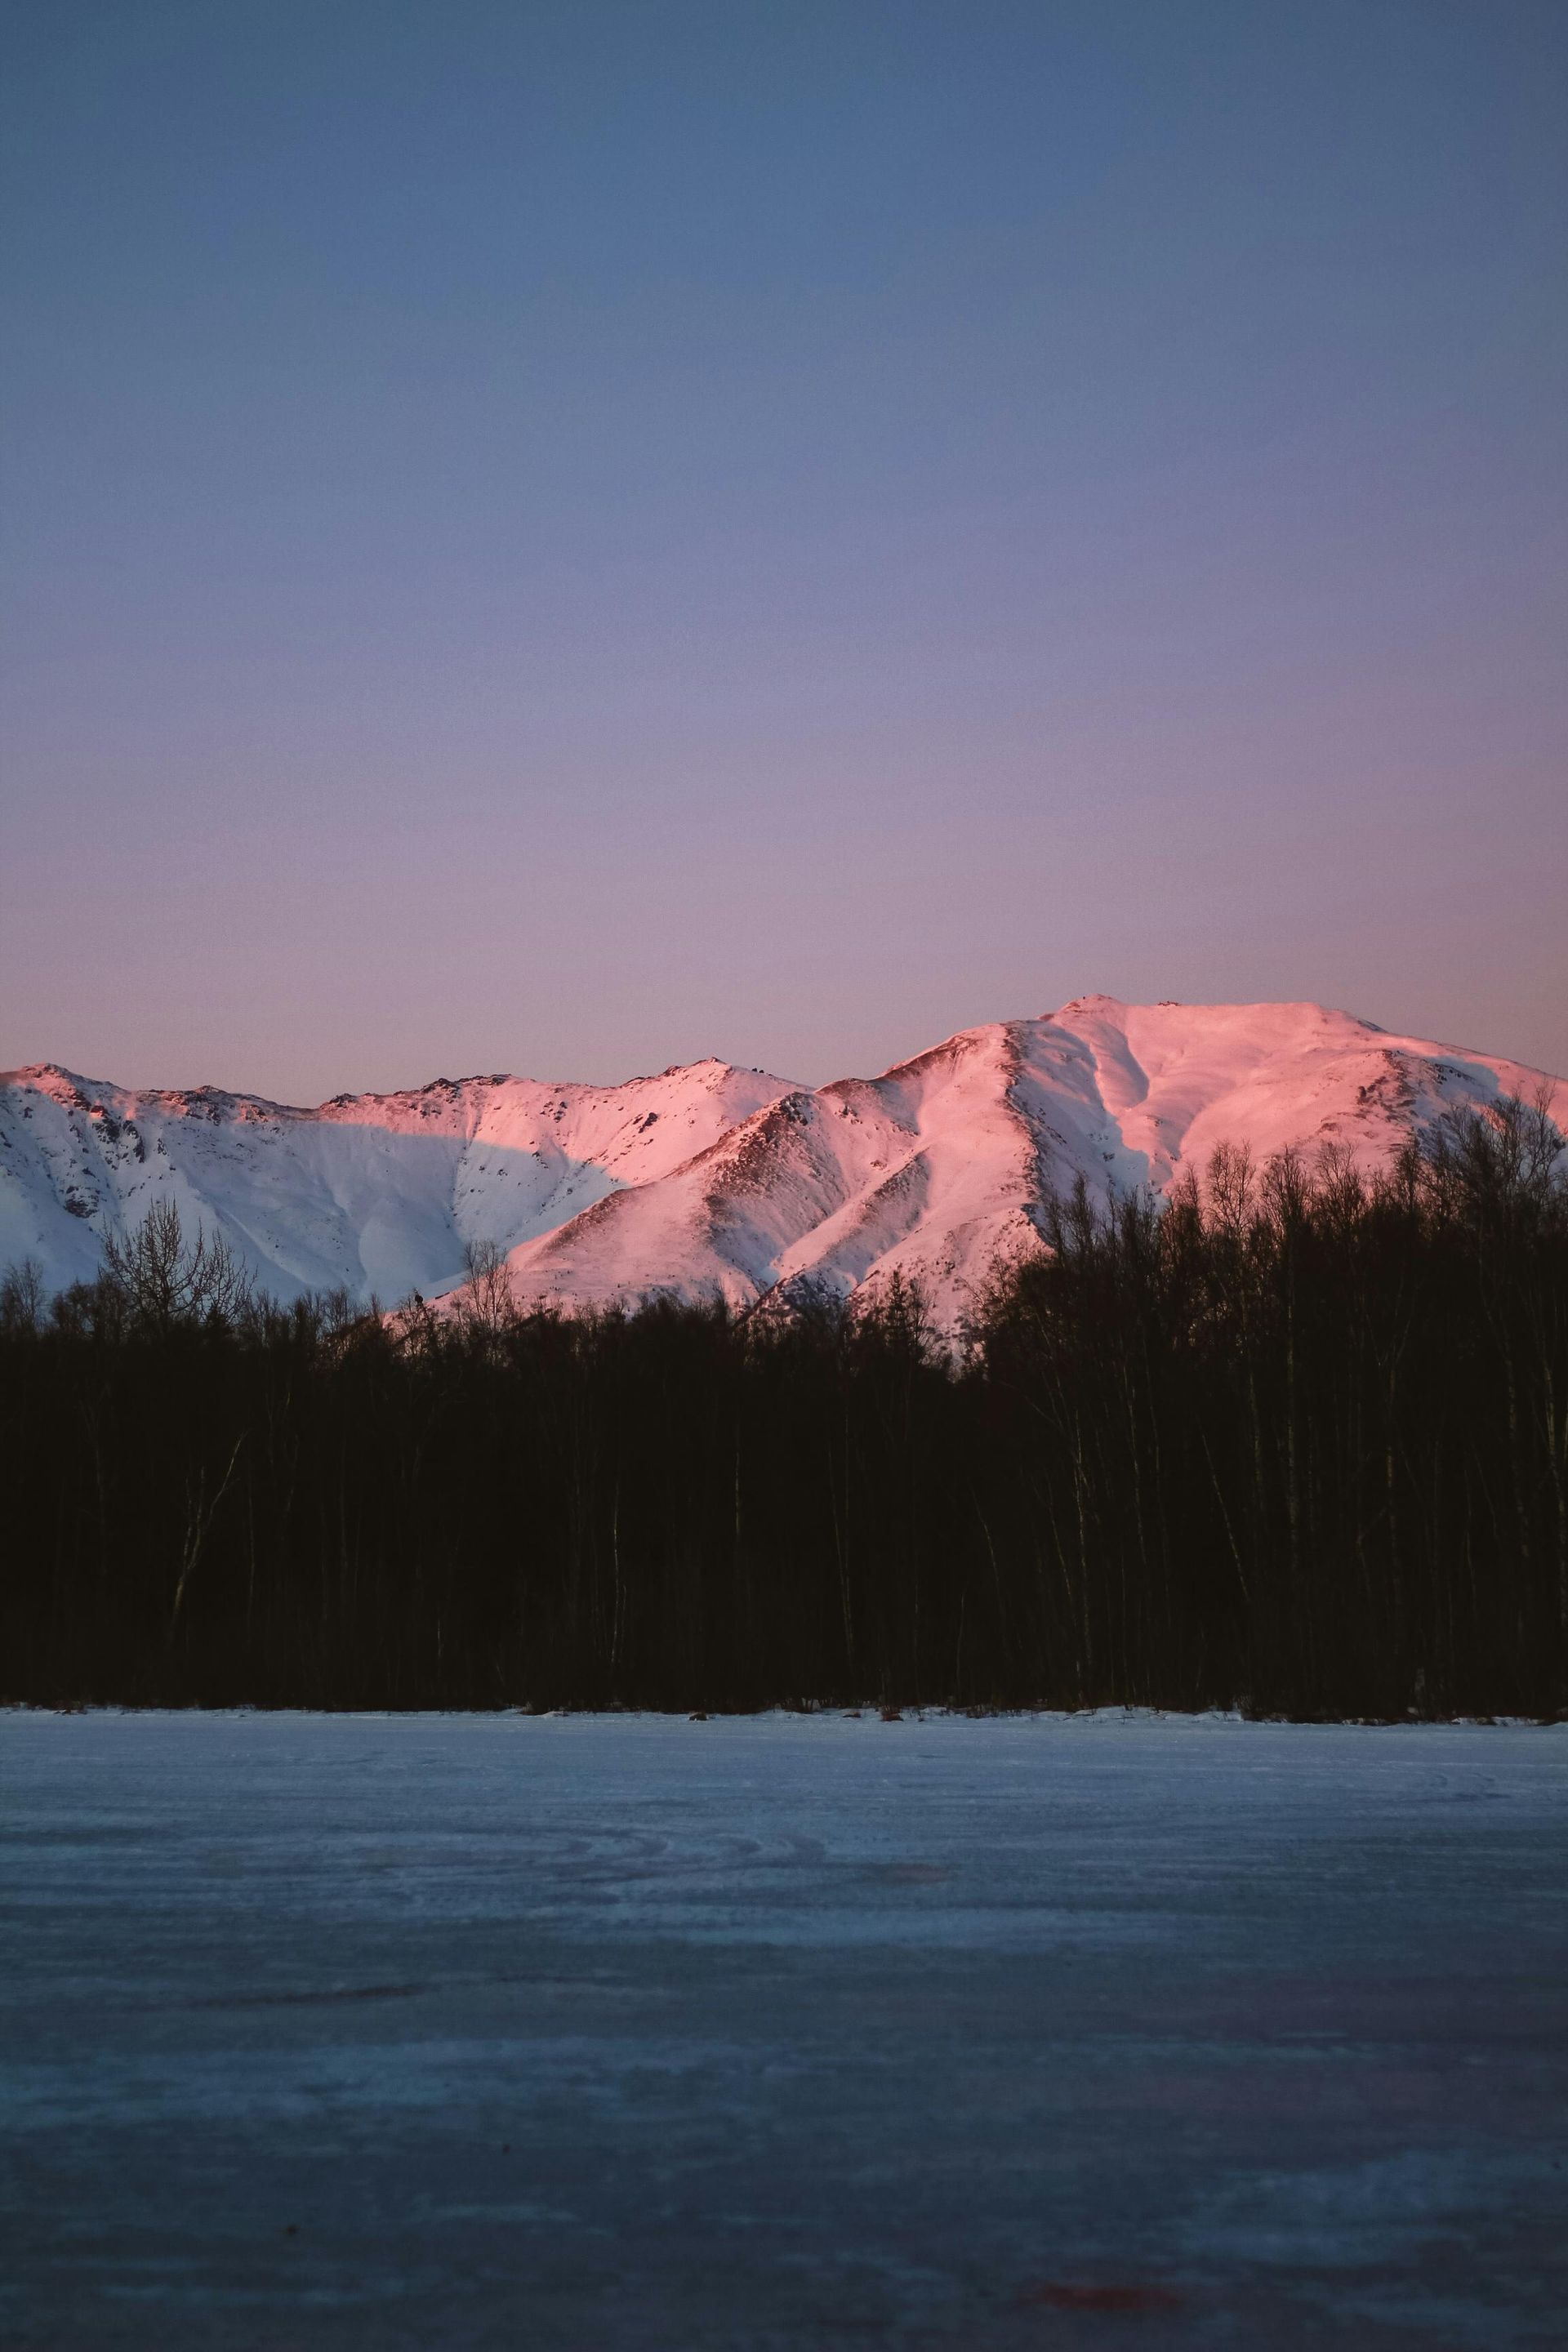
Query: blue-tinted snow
772	2034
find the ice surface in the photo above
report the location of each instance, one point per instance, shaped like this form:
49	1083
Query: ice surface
784	2033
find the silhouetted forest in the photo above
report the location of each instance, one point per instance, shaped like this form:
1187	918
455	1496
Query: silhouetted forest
1296	1441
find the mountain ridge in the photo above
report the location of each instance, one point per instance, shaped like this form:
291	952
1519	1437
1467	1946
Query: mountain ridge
710	1180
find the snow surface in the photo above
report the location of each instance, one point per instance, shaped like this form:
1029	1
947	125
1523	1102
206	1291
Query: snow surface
369	1192
712	1180
780	2032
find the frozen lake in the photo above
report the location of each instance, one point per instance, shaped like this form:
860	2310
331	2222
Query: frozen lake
565	2035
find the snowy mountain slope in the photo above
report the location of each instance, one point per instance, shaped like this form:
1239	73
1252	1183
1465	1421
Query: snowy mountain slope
929	1167
938	1169
373	1192
712	1180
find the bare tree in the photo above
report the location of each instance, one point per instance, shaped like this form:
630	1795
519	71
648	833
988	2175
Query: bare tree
159	1279
22	1297
486	1299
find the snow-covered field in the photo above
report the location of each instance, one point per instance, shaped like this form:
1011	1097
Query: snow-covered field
572	2034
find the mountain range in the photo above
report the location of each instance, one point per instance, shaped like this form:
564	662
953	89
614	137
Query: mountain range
710	1180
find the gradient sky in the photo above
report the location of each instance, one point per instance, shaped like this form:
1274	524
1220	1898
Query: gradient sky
565	538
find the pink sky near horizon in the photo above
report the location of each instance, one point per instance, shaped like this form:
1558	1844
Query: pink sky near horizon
555	541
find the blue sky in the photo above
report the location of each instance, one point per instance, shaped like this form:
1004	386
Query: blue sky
570	537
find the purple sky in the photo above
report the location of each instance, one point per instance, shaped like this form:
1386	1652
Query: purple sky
567	538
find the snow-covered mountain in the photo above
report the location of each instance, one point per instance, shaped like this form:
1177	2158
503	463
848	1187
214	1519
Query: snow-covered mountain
716	1180
370	1192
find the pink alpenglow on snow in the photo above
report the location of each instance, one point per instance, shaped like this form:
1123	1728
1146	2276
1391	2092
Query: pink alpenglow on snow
711	1181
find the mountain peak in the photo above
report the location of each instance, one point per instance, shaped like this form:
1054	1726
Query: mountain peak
707	1180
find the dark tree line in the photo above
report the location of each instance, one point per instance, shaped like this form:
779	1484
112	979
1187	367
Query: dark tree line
1296	1441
